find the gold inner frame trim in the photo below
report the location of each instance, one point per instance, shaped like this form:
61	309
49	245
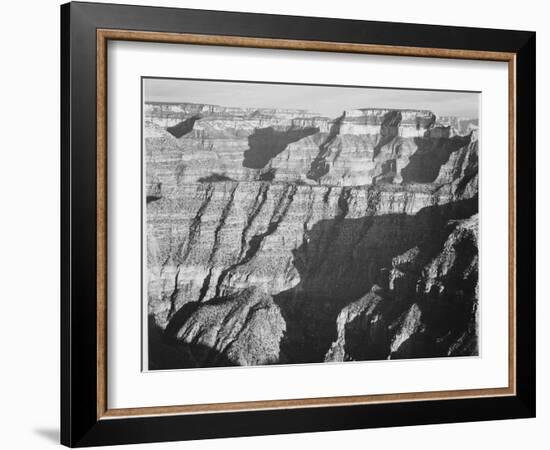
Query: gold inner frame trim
103	36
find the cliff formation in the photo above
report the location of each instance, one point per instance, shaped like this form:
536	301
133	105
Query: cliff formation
281	236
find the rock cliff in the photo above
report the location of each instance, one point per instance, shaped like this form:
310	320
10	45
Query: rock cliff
281	236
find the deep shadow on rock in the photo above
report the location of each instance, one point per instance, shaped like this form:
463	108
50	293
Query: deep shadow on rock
389	129
214	178
319	166
244	328
184	127
424	165
340	260
266	143
166	353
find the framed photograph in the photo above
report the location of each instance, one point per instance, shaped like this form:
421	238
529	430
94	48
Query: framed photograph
277	224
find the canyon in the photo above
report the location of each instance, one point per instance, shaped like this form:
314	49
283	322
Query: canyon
278	236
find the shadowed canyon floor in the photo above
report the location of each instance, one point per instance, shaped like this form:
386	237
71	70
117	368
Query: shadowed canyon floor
279	236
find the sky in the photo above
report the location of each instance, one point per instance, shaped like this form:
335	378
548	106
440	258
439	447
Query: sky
326	100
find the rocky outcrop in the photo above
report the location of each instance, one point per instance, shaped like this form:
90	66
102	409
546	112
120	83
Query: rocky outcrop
244	328
222	237
459	125
387	122
189	143
428	307
283	236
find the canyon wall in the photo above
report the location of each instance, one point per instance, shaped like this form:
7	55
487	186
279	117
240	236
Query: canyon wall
281	236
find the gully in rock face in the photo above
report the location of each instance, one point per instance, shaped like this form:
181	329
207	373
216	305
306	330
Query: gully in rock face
275	234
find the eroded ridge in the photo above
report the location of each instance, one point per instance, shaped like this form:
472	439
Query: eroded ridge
282	236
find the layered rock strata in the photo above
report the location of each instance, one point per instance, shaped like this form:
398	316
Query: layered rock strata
284	236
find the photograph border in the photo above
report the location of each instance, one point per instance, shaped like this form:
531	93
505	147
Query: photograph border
86	29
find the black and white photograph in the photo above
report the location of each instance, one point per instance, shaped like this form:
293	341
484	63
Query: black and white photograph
292	224
276	225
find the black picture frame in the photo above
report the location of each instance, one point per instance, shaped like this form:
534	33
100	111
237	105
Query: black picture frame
80	425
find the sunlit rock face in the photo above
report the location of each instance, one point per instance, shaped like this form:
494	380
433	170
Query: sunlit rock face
387	122
199	143
246	328
460	125
322	239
